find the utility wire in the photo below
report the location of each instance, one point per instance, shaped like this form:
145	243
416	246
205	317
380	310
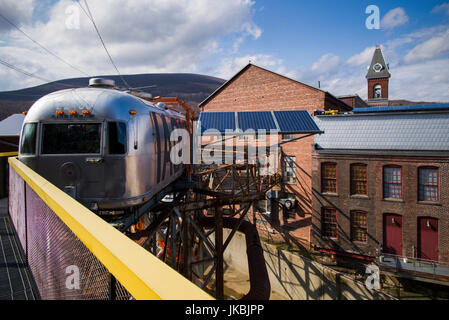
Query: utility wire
6	64
44	48
137	88
90	16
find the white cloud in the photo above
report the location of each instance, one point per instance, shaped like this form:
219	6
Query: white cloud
248	29
432	48
442	8
143	36
326	63
423	81
362	58
394	18
18	12
230	66
424	78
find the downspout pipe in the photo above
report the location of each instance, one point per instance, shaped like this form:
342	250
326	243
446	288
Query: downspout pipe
258	276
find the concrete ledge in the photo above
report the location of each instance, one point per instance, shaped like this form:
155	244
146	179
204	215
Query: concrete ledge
299	278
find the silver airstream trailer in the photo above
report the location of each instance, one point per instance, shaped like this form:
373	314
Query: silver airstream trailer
106	148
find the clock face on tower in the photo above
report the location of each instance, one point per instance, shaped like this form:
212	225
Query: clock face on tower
377	67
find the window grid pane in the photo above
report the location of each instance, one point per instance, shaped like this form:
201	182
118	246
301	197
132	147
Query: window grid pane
392	182
289	169
329	177
359	226
329	223
359	180
428	184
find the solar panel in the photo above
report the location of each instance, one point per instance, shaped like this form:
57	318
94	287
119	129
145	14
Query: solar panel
220	121
292	122
422	107
298	121
258	120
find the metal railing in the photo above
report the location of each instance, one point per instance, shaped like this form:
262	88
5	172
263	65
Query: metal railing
414	266
74	254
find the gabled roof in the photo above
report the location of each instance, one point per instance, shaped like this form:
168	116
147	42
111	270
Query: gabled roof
378	58
247	67
12	125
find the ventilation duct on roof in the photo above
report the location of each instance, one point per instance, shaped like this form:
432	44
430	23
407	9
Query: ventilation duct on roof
101	83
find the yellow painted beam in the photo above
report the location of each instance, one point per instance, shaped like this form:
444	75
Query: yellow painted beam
9	154
141	273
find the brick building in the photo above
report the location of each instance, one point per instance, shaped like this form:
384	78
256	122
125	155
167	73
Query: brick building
354	101
382	179
378	78
257	89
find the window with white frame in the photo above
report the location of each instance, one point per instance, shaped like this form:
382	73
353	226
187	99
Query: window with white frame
289	166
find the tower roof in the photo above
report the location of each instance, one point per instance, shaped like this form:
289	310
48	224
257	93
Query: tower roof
378	68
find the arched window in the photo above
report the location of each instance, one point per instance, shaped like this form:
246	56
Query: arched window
377	91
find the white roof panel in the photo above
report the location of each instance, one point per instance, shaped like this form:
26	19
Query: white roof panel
12	125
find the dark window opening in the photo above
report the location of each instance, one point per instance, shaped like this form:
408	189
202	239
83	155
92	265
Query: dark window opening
378	91
116	138
71	138
28	145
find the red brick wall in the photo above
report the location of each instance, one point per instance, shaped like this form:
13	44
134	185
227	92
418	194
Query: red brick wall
349	101
376	206
256	89
373	82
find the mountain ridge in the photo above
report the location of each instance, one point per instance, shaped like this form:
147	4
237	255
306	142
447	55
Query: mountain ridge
190	87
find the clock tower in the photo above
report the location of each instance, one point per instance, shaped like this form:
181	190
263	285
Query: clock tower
378	77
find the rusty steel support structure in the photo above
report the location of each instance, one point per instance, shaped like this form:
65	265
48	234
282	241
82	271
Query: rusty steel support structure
220	197
187	232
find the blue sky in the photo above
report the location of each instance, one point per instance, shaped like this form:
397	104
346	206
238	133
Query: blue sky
311	41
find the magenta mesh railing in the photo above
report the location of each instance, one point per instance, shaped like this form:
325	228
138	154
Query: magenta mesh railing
62	266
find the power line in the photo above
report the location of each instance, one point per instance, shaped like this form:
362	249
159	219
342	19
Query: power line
6	64
90	16
44	48
137	88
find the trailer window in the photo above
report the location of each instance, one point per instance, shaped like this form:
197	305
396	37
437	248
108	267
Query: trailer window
28	145
71	138
116	138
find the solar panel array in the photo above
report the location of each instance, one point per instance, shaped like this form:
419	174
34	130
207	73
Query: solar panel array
422	107
259	120
292	122
220	121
